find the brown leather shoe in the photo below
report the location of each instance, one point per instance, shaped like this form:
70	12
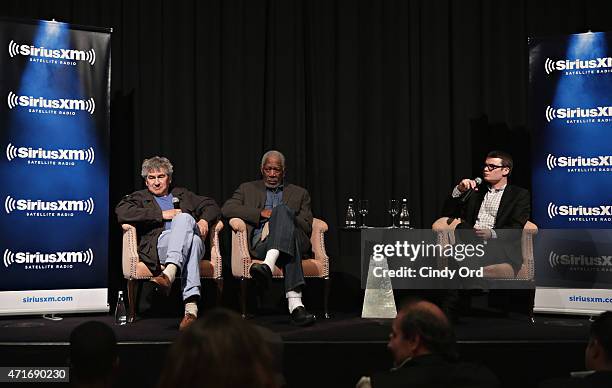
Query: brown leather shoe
163	283
187	320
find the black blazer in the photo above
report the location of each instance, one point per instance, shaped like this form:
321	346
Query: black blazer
432	371
513	213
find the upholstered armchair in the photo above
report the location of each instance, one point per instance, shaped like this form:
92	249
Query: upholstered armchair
314	267
136	271
445	227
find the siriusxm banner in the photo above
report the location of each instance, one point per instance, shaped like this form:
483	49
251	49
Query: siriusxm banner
570	111
54	134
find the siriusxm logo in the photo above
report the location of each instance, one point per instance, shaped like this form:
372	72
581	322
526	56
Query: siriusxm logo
576	64
14	100
556	260
569	210
574	113
13	152
12	205
578	161
88	56
11	258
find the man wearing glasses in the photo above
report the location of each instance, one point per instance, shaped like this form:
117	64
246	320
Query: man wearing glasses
489	208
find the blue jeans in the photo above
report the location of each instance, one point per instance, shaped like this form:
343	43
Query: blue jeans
182	246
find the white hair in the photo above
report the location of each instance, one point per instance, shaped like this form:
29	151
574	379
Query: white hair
270	153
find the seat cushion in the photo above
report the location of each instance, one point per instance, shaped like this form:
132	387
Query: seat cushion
311	268
206	270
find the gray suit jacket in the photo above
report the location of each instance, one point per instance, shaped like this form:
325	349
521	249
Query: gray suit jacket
249	200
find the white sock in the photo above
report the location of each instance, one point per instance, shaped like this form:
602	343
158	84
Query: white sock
191	308
294	300
271	257
170	271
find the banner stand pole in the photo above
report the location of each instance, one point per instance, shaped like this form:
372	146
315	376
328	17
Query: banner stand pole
52	317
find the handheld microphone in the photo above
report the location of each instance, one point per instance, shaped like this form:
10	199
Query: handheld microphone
176	203
469	192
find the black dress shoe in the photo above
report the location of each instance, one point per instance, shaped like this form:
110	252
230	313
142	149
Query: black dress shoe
262	275
301	317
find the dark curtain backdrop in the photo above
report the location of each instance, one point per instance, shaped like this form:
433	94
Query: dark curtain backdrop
367	99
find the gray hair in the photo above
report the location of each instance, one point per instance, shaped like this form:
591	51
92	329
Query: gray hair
276	153
156	163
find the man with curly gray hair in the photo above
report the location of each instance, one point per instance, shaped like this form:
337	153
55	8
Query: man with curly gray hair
172	224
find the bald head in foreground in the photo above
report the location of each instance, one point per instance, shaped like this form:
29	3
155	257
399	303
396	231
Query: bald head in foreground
422	342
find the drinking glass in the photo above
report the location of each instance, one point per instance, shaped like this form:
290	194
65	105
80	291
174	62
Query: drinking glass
363	210
393	209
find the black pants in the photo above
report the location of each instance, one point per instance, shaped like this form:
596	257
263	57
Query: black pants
291	242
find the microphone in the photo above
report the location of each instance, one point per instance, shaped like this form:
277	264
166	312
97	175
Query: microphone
176	203
469	192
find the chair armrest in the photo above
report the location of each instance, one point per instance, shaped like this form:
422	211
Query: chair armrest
237	224
442	224
444	230
129	256
241	257
215	251
317	239
527	270
530	228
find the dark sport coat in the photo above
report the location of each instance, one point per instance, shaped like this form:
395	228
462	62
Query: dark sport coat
513	213
249	200
141	210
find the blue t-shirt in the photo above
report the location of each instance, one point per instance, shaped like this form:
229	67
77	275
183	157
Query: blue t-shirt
165	203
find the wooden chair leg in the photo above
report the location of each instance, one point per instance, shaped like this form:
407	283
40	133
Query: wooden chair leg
243	296
531	305
326	289
131	291
219	283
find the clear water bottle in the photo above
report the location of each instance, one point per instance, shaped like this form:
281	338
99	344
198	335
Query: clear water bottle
120	311
404	215
351	216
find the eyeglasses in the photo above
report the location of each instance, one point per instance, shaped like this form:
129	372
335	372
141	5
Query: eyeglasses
491	167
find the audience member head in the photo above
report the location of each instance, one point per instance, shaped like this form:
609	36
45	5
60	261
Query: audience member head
93	355
273	168
219	350
421	328
157	173
598	353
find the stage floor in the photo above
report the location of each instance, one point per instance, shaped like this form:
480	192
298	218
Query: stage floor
342	348
490	328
